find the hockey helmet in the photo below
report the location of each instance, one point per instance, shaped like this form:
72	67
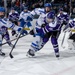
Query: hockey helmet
48	5
2	9
2	12
51	15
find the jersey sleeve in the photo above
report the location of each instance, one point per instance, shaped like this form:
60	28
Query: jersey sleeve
8	24
37	11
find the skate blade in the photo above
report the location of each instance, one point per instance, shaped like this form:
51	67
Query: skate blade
29	56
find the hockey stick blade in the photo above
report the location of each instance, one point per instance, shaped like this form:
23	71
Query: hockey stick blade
11	56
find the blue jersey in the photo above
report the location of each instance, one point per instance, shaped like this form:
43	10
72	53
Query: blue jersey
13	16
56	24
64	17
53	26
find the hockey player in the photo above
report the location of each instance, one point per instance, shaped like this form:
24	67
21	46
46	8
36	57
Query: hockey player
13	17
5	22
53	27
38	42
25	19
42	12
71	39
64	18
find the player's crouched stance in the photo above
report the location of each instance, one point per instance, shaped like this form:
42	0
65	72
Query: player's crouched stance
51	28
5	22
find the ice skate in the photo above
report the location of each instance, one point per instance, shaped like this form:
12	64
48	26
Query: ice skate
2	53
57	55
30	53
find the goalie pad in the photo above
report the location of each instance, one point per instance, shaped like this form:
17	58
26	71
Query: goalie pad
71	44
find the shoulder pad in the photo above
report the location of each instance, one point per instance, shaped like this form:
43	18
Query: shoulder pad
16	12
40	9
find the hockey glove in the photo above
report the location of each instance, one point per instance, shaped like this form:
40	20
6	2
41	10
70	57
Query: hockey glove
19	29
31	32
43	25
13	32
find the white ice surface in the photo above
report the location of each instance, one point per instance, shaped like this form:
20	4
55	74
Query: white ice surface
45	62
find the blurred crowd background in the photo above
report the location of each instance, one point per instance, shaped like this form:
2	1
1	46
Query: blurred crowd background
68	5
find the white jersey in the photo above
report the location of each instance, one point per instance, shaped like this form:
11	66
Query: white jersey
42	14
24	15
5	22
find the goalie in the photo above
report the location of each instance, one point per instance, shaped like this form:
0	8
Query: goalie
71	39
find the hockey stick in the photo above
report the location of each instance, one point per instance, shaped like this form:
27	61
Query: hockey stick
10	54
23	29
63	39
15	38
11	40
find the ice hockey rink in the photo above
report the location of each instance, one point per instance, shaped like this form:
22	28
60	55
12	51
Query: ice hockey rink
44	63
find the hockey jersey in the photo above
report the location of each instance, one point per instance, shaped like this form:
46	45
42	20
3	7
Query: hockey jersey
13	16
42	14
25	18
5	22
64	17
72	23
